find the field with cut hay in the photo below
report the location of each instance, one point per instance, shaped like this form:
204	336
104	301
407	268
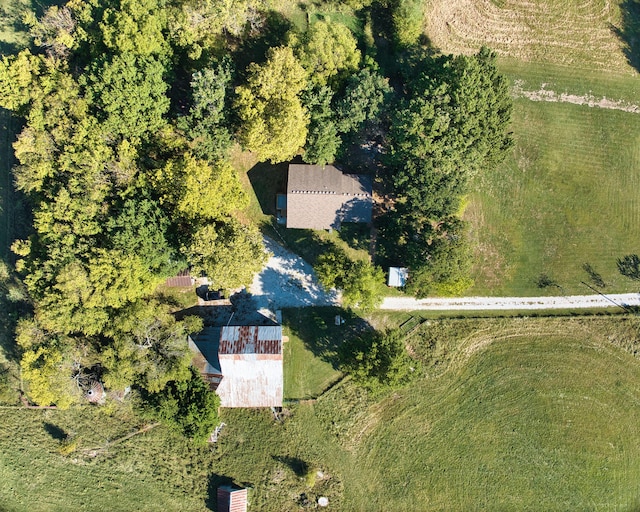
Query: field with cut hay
568	32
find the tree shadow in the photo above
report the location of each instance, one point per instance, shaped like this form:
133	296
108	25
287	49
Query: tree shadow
299	467
324	330
216	481
356	235
629	31
268	180
55	432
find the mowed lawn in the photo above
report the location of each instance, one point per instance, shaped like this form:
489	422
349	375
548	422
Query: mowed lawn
566	196
531	422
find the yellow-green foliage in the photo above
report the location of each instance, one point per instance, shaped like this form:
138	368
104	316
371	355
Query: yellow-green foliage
328	50
274	121
48	375
199	189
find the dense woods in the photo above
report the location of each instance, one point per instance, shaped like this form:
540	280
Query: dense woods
130	109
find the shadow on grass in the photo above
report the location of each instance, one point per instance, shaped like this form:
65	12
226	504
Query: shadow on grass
298	466
216	481
357	236
317	329
55	431
267	180
629	31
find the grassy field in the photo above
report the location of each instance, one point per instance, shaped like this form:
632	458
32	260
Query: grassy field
525	414
517	423
566	196
306	376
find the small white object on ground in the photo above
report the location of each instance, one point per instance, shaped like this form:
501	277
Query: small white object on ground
323	501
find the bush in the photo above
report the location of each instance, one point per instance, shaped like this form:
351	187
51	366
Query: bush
378	360
188	407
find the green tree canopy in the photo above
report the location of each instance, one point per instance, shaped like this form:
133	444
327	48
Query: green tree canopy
328	52
228	252
360	282
378	360
273	119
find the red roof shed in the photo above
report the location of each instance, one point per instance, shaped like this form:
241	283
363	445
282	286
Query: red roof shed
232	500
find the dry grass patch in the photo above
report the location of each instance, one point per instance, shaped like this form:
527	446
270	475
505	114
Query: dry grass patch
568	32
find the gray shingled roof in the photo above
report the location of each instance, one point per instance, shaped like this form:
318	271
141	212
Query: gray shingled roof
323	197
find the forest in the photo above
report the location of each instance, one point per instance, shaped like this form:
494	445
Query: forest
129	110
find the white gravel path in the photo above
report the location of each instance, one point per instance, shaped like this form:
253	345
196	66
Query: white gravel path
514	303
287	281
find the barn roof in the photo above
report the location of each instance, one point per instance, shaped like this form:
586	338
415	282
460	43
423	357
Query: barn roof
245	362
322	197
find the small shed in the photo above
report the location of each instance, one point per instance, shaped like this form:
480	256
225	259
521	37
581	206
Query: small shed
231	499
183	279
398	276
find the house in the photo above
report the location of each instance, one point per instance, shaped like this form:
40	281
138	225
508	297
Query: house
242	363
323	197
398	276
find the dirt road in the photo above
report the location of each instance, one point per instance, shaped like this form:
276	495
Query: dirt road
512	303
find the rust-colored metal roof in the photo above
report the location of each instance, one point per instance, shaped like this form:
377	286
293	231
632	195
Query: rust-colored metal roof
251	339
232	500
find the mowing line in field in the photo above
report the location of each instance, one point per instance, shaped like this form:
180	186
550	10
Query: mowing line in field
586	99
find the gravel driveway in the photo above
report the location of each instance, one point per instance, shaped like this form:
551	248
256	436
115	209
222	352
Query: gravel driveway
287	281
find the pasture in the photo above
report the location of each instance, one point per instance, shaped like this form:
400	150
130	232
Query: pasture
511	414
590	35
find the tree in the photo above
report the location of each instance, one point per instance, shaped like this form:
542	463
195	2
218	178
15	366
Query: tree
453	123
328	52
54	31
189	407
323	141
46	365
128	94
149	347
408	21
228	252
362	101
359	281
273	120
629	266
206	122
378	360
197	189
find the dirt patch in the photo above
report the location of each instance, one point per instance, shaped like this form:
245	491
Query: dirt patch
589	100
